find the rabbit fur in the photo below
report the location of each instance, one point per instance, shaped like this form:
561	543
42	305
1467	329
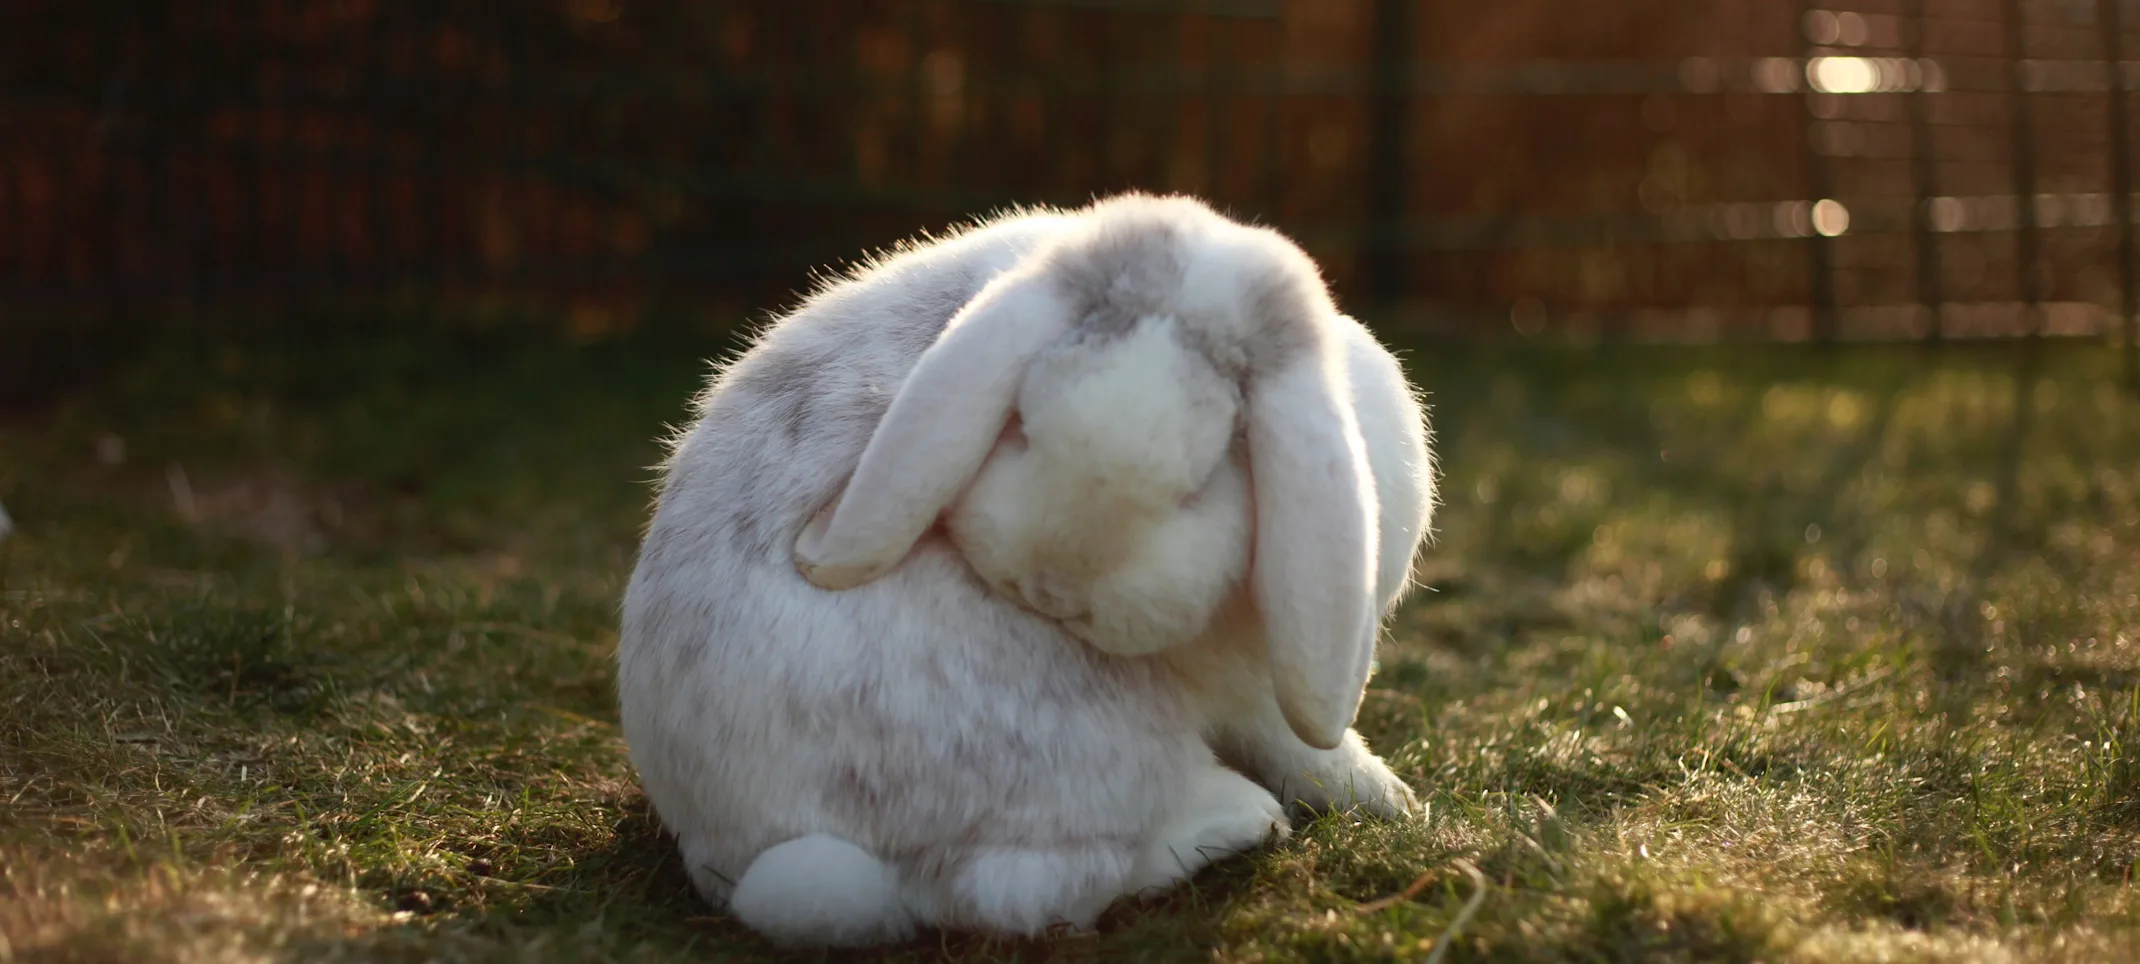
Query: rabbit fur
853	734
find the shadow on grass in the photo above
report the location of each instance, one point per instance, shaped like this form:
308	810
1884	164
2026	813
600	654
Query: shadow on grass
625	895
630	894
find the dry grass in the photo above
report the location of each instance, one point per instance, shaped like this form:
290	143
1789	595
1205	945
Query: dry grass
1733	655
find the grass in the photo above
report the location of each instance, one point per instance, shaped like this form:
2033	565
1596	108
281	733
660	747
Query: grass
1732	655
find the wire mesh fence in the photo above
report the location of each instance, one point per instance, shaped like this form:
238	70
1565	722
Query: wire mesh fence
1646	169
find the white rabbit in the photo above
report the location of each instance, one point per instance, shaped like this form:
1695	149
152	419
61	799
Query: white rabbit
1154	433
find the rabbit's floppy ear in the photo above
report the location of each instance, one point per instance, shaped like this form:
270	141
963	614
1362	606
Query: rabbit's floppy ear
1315	540
939	429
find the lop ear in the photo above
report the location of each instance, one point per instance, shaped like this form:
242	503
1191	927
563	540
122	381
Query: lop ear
1315	542
934	437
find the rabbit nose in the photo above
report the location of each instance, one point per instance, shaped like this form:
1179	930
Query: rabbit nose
1043	598
1050	599
1082	627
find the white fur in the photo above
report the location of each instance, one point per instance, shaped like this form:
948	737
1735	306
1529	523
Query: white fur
920	735
1221	813
1144	337
1115	508
821	890
984	347
1315	503
1395	427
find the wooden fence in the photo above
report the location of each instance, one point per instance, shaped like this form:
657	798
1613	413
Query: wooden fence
1644	168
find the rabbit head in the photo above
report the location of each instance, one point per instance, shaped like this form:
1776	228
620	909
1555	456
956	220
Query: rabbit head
1115	501
1145	415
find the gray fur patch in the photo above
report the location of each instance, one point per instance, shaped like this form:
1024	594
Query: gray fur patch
1132	265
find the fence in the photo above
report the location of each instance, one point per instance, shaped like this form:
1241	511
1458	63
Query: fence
1648	168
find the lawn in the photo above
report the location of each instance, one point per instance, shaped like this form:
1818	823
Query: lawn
1731	654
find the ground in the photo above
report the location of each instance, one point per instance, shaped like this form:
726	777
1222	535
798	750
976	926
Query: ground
1728	654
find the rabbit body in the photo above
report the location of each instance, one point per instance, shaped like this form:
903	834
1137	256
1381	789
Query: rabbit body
926	748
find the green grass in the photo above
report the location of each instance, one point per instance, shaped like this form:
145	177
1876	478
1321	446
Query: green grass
1732	655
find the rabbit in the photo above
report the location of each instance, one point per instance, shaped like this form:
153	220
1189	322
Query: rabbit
853	733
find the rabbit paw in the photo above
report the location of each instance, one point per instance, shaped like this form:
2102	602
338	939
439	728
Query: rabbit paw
1351	780
1223	814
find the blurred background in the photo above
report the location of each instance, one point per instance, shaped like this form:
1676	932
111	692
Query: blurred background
1641	170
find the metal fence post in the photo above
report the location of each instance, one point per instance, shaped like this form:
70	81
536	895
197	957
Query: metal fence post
2024	169
1389	151
430	75
1820	255
248	268
2121	181
1924	161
